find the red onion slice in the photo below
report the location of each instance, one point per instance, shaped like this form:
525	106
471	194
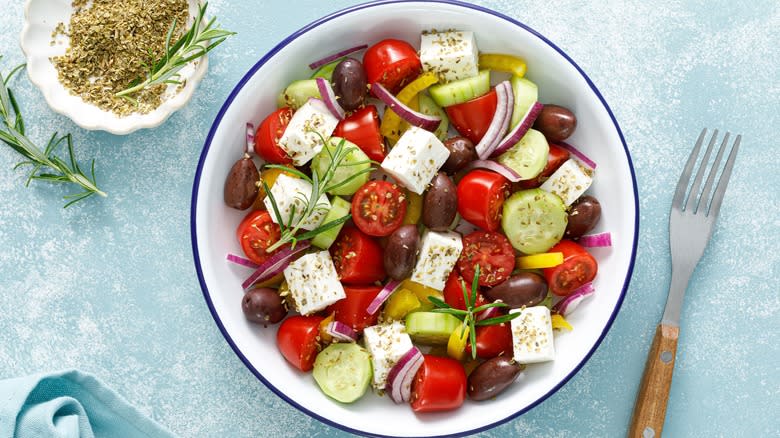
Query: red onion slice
275	264
335	56
414	118
577	153
340	331
490	312
516	134
241	261
399	380
250	137
382	296
498	126
567	305
329	97
499	168
596	240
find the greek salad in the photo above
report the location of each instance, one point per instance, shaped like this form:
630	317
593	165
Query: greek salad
417	223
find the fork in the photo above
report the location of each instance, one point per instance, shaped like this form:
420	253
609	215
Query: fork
691	223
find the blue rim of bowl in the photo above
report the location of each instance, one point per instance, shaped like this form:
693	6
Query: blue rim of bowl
260	63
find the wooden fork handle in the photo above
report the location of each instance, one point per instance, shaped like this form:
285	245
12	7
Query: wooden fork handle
650	406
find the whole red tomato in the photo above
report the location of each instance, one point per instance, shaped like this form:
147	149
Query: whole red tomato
481	195
268	134
453	292
362	128
297	340
358	258
472	119
578	268
392	63
494	340
440	385
352	309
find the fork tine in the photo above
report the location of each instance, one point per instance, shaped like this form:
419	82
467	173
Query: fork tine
693	196
720	190
682	184
705	194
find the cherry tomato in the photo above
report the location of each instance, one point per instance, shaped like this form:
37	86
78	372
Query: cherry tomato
494	340
472	119
352	309
297	340
392	63
481	194
578	268
440	385
492	252
256	233
268	135
555	157
453	292
362	128
358	258
378	208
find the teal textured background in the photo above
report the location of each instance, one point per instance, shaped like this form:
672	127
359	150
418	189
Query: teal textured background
109	287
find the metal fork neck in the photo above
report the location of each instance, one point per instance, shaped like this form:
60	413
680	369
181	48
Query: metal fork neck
679	283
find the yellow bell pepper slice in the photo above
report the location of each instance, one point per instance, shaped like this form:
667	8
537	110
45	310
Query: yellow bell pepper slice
540	261
559	322
324	336
422	292
400	303
391	122
456	345
499	62
269	176
414	203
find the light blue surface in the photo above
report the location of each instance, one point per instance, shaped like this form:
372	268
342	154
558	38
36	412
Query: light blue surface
109	286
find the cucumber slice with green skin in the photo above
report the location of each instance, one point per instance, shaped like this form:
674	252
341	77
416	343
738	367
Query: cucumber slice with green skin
429	107
534	220
338	209
431	328
326	71
298	93
343	371
526	93
355	162
527	157
460	91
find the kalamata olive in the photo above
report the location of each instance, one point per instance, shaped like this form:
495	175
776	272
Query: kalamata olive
440	203
492	376
349	83
462	152
241	184
583	216
556	123
263	306
524	289
401	252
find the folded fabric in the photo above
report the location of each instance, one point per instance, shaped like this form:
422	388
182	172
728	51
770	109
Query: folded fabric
69	404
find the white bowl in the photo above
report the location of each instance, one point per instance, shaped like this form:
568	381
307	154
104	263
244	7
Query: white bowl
560	81
40	19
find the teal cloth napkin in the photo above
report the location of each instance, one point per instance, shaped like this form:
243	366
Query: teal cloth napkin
69	404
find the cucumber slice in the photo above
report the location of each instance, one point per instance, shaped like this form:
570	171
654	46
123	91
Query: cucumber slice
338	209
431	328
534	220
355	162
343	371
298	93
429	107
462	90
326	71
526	93
527	157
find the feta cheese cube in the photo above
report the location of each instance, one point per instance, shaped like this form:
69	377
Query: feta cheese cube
415	159
438	254
314	283
569	182
532	335
291	192
452	55
300	139
386	343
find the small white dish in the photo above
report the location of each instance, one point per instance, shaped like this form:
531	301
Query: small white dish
40	19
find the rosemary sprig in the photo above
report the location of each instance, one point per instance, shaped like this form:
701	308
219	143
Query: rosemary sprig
46	166
469	316
195	43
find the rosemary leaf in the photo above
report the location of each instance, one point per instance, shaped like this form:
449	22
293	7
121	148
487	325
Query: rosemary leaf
498	319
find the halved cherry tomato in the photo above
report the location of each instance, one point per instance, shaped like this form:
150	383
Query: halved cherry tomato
378	208
481	194
268	135
472	119
578	268
453	292
297	340
555	157
392	63
494	340
362	128
440	385
492	252
256	233
352	309
358	258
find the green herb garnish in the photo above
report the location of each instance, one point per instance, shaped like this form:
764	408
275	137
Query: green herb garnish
469	316
195	43
46	166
